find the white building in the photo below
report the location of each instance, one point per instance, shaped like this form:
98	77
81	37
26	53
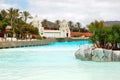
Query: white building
63	31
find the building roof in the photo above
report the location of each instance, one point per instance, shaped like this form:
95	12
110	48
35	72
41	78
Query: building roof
8	27
74	33
86	34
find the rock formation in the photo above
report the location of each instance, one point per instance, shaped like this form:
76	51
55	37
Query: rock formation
100	55
84	53
116	55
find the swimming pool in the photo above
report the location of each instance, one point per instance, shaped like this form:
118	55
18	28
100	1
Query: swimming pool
53	62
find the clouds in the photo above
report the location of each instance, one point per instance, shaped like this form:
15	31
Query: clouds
21	4
3	5
83	11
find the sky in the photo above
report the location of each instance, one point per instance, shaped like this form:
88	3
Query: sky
83	11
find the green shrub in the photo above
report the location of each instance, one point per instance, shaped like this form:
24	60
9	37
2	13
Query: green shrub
38	37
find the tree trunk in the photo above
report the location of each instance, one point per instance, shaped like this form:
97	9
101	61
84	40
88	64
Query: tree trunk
11	22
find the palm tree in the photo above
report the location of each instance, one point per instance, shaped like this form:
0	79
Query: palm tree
70	23
3	14
78	25
95	25
57	24
101	24
45	23
0	16
11	15
26	15
16	14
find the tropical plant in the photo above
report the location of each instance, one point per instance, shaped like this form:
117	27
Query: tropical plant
11	15
3	14
16	15
57	24
45	23
70	23
79	26
104	35
26	15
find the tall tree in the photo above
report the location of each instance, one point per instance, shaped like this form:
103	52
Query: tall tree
45	23
16	14
3	14
11	15
0	17
57	24
70	23
26	15
79	26
101	24
96	24
104	35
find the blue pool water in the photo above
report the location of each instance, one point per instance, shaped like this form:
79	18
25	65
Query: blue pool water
53	62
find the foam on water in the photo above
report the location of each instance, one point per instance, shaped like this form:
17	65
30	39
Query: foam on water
53	62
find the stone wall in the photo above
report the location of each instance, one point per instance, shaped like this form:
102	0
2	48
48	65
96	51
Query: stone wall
116	56
12	44
98	54
84	53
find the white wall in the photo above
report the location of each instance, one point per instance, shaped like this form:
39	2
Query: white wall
52	33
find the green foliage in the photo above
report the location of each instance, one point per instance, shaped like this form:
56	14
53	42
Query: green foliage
79	26
104	34
26	15
3	24
39	37
75	29
3	14
0	17
83	30
70	23
45	23
10	35
57	24
18	21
